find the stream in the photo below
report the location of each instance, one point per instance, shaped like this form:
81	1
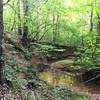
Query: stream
59	78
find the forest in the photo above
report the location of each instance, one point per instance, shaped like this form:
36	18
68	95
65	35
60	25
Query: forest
49	49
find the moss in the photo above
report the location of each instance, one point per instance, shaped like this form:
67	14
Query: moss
66	62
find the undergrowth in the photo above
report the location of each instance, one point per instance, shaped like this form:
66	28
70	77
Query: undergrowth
27	84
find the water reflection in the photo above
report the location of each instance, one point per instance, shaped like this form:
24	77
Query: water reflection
58	78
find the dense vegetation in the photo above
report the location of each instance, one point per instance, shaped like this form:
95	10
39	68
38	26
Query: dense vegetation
56	38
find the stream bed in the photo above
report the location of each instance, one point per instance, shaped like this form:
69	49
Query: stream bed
59	78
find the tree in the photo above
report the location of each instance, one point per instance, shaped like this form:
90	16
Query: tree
19	19
25	26
1	44
97	11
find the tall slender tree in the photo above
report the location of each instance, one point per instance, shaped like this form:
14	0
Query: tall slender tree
98	21
1	44
54	32
25	26
19	19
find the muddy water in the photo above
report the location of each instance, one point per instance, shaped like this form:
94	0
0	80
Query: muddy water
71	82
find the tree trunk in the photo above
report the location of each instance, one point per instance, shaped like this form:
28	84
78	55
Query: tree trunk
98	23
37	33
19	19
1	44
54	34
98	30
57	29
25	26
91	21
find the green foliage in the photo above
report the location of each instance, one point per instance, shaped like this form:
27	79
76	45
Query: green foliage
89	56
63	94
28	55
65	22
42	89
15	75
59	93
70	24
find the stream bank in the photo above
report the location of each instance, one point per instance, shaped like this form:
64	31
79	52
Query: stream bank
55	67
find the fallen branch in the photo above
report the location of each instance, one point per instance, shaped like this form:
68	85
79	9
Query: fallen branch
92	78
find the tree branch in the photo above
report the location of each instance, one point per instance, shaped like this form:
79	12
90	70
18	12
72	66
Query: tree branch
6	2
93	78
